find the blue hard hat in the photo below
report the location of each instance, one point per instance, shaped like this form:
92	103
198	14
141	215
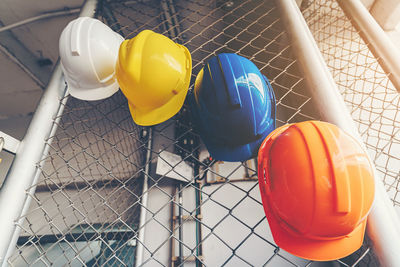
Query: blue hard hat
233	107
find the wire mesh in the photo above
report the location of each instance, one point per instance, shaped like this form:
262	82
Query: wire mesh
371	98
88	202
88	187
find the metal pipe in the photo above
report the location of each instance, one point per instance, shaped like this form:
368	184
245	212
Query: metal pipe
143	204
180	230
17	61
172	240
24	169
171	27
32	189
378	42
383	222
197	188
46	15
76	237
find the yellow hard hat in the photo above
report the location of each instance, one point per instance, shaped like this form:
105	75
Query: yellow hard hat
154	73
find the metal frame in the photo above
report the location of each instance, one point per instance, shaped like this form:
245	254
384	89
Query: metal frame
46	15
27	66
11	47
382	223
143	202
378	42
23	172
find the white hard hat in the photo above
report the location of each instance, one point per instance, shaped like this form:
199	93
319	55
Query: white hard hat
88	53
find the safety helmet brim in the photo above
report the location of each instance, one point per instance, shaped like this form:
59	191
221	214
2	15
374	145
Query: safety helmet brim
225	152
93	94
312	249
169	109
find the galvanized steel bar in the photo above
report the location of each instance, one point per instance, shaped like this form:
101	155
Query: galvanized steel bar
384	50
383	222
23	169
31	150
51	14
32	189
143	202
24	68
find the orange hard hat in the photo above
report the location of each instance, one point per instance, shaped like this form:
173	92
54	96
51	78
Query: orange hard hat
317	188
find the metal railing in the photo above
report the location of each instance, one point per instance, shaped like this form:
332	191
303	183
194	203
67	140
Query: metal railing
364	64
32	149
93	193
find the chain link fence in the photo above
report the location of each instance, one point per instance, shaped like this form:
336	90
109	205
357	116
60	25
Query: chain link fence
371	98
89	197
